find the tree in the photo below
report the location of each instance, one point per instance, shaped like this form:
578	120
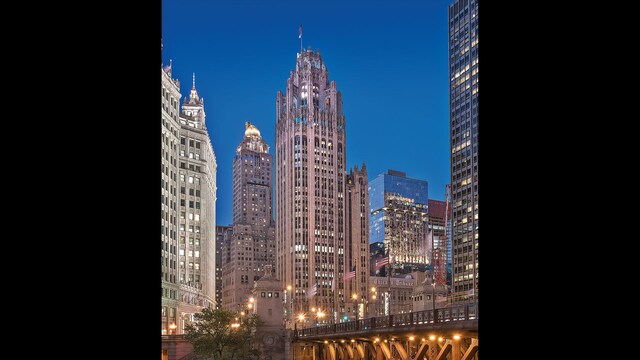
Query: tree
223	335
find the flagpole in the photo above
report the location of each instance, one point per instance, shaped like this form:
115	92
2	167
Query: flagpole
300	39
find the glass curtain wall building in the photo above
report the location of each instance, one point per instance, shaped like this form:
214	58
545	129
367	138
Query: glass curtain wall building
399	207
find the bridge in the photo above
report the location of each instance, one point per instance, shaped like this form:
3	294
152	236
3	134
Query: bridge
442	334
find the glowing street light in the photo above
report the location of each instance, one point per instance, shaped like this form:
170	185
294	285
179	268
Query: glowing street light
172	328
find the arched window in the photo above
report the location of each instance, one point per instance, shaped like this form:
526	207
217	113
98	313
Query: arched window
316	95
304	95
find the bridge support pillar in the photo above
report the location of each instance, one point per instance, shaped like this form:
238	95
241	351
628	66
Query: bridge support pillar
471	350
444	350
340	353
422	350
456	352
348	349
401	351
332	351
360	348
433	349
385	350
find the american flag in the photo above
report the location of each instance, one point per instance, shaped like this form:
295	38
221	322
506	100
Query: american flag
350	274
312	291
382	262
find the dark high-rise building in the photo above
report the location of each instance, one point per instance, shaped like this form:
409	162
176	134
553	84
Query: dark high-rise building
223	239
463	107
399	207
252	244
311	194
357	244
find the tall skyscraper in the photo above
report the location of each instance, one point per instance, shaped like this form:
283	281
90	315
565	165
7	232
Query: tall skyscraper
223	239
311	193
399	207
169	227
357	244
253	241
197	210
463	107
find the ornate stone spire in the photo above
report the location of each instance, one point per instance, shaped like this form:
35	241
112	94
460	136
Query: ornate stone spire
194	99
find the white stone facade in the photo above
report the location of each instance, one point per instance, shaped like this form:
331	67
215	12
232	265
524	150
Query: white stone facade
170	139
197	211
188	208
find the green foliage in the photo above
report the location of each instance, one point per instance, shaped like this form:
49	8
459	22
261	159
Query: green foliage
212	335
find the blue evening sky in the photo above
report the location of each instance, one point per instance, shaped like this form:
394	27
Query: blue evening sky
388	58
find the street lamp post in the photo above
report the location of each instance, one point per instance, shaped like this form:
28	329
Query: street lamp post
375	302
319	315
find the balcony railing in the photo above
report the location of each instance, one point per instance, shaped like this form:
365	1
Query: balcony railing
455	313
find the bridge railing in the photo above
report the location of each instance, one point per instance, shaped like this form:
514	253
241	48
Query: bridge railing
454	313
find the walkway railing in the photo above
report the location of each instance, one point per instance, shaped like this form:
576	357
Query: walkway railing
454	313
